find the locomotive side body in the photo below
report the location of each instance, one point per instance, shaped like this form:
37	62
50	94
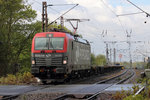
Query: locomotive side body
79	54
57	56
81	58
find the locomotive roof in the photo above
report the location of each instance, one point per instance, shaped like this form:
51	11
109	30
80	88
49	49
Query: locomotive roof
45	33
75	37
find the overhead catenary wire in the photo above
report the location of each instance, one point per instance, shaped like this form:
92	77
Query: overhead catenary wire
85	14
50	6
130	14
115	15
109	8
54	10
139	8
38	2
59	4
64	14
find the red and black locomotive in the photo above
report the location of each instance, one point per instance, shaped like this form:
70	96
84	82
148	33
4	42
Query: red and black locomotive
57	56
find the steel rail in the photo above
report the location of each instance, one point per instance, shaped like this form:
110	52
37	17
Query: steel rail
11	97
92	96
107	80
123	80
74	81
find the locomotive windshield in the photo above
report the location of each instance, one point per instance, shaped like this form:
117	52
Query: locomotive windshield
49	43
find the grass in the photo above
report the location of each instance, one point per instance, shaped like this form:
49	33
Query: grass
18	79
128	95
144	95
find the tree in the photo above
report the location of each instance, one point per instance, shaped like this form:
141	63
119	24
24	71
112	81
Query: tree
93	59
16	31
98	60
56	27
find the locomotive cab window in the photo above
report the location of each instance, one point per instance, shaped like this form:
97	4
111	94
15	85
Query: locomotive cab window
56	43
49	43
41	43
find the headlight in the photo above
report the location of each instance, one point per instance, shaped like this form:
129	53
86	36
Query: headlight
64	61
33	62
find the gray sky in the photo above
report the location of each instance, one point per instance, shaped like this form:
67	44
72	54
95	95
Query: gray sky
104	25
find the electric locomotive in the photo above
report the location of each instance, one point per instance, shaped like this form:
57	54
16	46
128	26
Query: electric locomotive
57	56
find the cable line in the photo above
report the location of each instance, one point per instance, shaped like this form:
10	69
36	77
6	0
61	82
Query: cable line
114	14
147	14
129	14
64	14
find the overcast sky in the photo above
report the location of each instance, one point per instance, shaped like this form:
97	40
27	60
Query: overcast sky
104	25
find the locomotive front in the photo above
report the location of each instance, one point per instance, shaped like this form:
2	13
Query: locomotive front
49	58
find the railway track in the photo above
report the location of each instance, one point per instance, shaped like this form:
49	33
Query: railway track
9	97
112	78
70	96
13	97
85	79
94	96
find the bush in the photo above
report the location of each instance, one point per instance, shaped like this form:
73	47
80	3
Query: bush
120	95
25	78
135	88
144	95
137	97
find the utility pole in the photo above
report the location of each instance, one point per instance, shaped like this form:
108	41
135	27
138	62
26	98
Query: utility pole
114	56
107	53
114	52
129	42
62	22
110	60
44	17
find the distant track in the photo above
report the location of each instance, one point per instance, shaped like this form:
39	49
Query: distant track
113	78
94	96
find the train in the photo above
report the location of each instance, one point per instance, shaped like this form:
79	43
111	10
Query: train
60	56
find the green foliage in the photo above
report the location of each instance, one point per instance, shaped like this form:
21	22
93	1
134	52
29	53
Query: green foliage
16	32
119	95
129	95
139	80
138	64
56	26
137	97
144	95
135	88
93	59
98	60
25	69
59	27
17	79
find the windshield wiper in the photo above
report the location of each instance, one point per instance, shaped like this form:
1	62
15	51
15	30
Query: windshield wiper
51	44
45	46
